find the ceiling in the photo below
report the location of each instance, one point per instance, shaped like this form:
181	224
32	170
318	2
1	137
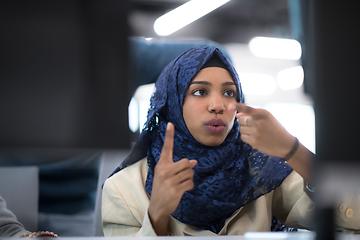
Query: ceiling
235	22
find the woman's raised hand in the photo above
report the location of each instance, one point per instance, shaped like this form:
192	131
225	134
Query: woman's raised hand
171	181
260	129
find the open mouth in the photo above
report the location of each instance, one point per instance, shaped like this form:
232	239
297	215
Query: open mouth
215	125
215	128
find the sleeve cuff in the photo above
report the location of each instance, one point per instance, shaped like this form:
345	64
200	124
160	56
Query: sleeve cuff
147	228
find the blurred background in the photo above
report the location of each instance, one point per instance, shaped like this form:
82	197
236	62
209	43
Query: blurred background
76	78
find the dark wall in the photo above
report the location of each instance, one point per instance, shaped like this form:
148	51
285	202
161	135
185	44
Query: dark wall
63	74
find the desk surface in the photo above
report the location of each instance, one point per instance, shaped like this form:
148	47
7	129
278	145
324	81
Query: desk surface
247	236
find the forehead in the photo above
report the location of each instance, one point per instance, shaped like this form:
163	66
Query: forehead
213	74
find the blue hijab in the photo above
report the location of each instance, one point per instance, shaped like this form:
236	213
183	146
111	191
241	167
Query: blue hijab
227	176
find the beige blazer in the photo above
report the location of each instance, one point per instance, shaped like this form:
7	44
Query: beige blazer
125	202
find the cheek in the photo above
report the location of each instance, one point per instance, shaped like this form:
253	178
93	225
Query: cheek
187	112
191	109
191	119
196	108
192	113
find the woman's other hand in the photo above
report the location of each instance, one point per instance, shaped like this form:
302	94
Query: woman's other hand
171	181
260	129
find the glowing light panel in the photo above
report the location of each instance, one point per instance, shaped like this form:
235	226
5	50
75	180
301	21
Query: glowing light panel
290	78
275	48
257	83
184	15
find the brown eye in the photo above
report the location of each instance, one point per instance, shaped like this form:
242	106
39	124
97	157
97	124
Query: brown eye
199	92
229	93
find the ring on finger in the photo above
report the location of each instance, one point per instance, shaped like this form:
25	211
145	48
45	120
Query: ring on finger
245	120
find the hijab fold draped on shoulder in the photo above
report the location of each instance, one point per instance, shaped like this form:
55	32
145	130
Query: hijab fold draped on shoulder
227	176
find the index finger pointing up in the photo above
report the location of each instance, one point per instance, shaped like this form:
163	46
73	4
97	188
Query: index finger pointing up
167	149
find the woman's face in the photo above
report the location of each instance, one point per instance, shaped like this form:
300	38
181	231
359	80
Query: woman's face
206	106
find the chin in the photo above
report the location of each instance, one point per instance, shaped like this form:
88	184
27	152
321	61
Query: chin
213	142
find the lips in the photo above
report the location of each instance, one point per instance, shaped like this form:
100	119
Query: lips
215	125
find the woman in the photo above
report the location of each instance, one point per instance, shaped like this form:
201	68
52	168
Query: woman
195	171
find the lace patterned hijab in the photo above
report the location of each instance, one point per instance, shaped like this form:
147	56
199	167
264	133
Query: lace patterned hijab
227	176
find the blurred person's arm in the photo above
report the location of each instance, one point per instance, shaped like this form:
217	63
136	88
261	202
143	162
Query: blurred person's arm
9	225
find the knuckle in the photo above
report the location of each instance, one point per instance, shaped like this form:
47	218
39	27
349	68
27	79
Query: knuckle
190	185
190	174
184	162
160	172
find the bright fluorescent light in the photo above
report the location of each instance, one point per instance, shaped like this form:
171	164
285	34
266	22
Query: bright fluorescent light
142	96
275	48
184	15
290	78
133	110
257	84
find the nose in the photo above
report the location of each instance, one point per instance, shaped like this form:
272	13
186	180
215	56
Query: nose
216	105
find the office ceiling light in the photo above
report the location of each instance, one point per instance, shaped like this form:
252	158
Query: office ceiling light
142	96
133	112
275	48
257	83
290	78
184	15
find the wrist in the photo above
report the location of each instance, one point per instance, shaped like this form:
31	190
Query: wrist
159	221
156	214
293	150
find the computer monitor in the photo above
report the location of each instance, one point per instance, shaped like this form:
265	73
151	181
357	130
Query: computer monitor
63	74
332	75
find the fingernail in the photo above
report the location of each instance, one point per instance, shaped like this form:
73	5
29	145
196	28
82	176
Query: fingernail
168	126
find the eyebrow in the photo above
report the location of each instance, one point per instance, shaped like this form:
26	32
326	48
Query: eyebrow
209	84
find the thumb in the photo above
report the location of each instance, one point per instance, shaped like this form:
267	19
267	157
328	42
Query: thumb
168	146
